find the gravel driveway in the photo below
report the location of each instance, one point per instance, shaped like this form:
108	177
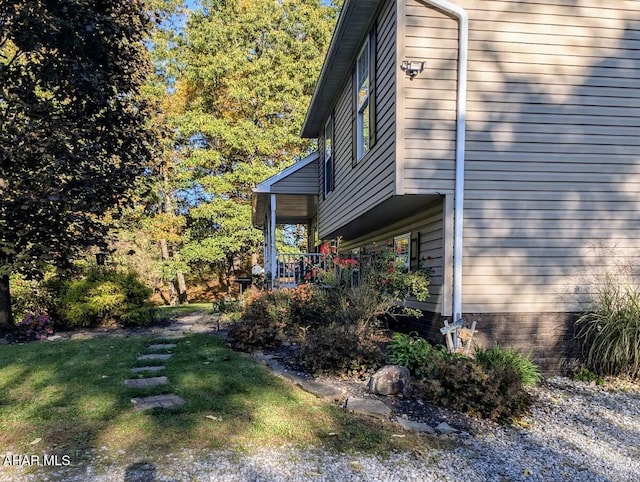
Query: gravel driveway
576	432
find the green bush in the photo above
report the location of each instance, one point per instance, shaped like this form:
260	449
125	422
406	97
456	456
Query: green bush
609	334
410	351
30	297
461	384
105	295
495	357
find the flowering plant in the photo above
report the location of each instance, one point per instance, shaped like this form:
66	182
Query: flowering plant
372	287
36	327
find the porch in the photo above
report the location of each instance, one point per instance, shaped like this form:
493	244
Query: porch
288	198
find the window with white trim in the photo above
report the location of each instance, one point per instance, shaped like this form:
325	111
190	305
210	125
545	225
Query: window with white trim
363	96
402	249
328	156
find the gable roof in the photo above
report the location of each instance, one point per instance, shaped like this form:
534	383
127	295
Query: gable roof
353	24
297	191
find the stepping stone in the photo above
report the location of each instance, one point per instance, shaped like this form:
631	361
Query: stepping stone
170	400
368	406
146	382
156	368
154	356
162	346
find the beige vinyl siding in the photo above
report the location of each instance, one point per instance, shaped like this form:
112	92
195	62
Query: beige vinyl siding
303	181
553	143
428	123
428	228
371	181
552	153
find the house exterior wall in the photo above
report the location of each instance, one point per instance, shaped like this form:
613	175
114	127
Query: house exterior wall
359	187
553	143
427	103
427	235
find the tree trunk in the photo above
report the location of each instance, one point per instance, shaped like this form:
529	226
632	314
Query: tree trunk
182	289
173	294
6	317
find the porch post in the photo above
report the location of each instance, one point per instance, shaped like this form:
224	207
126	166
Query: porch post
272	242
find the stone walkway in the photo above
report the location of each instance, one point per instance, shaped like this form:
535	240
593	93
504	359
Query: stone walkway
167	400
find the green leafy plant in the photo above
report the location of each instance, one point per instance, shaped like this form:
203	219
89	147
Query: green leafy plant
609	333
497	357
587	376
30	296
410	351
105	295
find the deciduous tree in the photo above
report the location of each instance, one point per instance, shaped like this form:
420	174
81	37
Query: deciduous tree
74	131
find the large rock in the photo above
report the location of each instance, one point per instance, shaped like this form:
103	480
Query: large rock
391	380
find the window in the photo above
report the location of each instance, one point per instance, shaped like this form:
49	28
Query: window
328	156
402	249
364	104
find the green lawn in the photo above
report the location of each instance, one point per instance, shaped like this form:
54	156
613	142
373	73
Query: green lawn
71	395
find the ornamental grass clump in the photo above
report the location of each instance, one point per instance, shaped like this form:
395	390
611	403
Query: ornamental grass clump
491	358
610	333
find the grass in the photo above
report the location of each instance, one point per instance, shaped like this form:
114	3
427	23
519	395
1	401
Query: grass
70	394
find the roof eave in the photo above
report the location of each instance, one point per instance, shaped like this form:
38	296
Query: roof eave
353	24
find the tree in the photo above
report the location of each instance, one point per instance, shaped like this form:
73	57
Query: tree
249	70
74	132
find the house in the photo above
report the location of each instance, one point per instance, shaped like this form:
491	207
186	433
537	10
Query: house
496	143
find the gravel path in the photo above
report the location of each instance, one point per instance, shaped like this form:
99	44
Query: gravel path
576	432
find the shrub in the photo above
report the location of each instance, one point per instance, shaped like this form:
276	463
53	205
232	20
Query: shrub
35	327
461	384
410	351
609	333
370	289
105	295
341	348
254	334
495	357
30	296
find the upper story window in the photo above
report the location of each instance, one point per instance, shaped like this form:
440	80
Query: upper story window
328	156
364	101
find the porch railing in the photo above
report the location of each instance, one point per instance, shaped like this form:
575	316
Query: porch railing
293	269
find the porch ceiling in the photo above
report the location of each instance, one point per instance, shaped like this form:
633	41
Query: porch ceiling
290	208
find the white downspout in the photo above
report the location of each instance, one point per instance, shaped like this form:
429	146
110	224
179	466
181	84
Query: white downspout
461	118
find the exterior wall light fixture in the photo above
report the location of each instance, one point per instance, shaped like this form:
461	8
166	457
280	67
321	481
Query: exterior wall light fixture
412	67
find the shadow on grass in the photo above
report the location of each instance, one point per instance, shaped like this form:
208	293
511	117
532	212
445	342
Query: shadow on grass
71	396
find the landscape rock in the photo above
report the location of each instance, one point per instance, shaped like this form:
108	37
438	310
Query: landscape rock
412	426
445	429
367	406
390	380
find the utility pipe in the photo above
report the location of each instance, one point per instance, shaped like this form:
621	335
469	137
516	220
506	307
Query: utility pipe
461	119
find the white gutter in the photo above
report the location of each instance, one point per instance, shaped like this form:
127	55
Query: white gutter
461	117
